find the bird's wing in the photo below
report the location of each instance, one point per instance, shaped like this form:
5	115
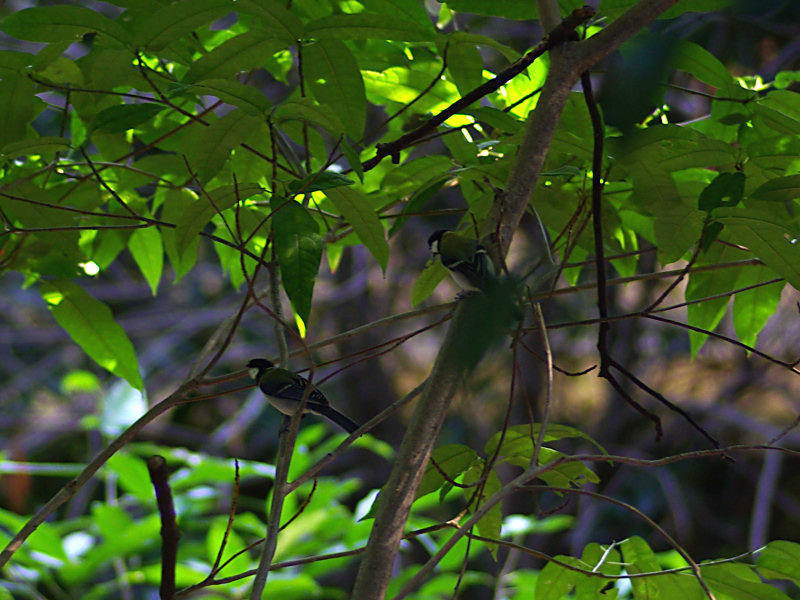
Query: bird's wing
276	384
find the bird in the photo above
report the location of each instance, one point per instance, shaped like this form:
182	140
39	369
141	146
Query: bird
467	260
285	390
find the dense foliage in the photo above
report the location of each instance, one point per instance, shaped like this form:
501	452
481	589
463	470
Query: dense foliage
186	143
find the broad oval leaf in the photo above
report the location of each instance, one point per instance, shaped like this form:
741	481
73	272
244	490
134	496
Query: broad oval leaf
57	23
197	215
360	215
364	26
306	109
298	246
17	99
427	281
770	239
147	250
275	19
42	145
248	98
780	189
216	142
335	81
91	325
116	119
174	21
240	53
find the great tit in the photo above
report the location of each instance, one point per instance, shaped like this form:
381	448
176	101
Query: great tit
467	261
285	390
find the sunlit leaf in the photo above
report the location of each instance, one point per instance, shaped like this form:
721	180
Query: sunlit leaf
91	325
148	252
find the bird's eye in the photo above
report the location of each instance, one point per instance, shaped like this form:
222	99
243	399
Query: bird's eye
253	373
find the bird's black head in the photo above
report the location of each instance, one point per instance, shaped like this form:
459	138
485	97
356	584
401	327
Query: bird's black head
434	239
257	366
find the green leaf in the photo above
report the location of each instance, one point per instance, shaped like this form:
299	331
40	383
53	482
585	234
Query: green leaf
703	284
17	99
780	189
176	201
517	439
359	214
240	53
726	189
148	251
174	21
464	62
778	110
214	145
738	582
495	118
363	26
305	109
767	236
246	97
62	71
334	78
116	119
42	145
685	6
507	9
197	215
14	63
298	246
406	9
694	59
489	526
430	277
91	325
452	459
780	560
555	581
319	181
133	475
415	204
279	22
752	308
56	23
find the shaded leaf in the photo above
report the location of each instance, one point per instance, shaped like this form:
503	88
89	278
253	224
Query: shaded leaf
197	215
726	189
174	21
246	97
278	21
430	277
216	142
767	236
56	23
305	109
359	214
17	100
298	246
42	145
319	181
363	26
116	119
240	53
335	81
